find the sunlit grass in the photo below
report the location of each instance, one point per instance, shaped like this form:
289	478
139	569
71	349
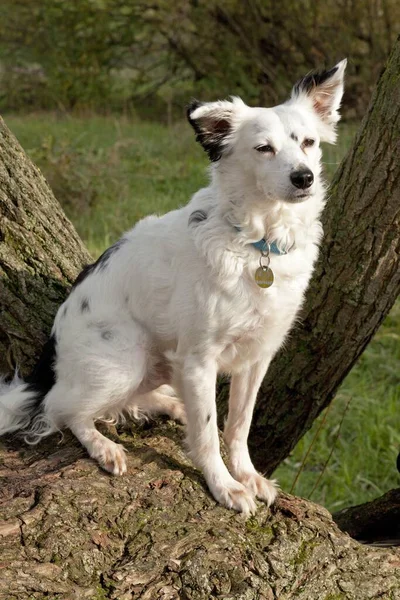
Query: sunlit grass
108	173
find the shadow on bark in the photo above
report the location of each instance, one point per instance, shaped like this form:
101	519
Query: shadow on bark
376	522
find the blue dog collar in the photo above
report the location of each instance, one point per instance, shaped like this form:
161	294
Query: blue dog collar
262	245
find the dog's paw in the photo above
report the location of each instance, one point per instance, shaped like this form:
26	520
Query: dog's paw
110	456
264	489
235	495
175	410
157	403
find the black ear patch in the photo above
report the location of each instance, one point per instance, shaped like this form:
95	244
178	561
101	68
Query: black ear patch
211	129
313	80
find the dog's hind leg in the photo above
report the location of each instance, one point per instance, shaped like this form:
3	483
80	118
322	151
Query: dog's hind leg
77	410
109	455
98	372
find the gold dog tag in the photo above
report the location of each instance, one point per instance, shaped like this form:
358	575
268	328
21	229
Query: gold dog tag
264	277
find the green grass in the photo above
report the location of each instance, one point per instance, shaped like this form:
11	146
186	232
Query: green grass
108	173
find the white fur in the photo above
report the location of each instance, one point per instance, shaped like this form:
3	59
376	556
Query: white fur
177	302
15	413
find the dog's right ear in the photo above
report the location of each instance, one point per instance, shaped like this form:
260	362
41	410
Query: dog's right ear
214	124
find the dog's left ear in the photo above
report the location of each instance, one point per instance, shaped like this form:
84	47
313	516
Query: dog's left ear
323	91
214	124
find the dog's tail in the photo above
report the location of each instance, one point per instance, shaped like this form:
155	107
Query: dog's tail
17	403
20	401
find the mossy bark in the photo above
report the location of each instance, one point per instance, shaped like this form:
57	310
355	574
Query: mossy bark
356	282
69	530
40	256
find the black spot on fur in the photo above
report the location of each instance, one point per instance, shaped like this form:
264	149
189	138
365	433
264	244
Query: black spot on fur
100	263
209	133
106	334
294	137
309	82
83	274
85	307
208	418
197	217
43	377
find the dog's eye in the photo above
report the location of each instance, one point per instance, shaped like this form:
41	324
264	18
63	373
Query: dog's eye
266	149
308	142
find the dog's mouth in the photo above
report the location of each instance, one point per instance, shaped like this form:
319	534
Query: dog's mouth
301	197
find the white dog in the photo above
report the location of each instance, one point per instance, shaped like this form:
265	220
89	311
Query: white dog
212	287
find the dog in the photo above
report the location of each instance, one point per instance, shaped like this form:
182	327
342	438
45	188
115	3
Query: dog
212	287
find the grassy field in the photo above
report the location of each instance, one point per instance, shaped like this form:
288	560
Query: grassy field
108	173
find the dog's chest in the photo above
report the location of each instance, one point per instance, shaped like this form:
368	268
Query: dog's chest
257	320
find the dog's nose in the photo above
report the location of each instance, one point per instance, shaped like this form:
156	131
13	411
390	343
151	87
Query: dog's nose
302	179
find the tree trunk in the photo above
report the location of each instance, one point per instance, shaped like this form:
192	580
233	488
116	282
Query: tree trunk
70	531
356	282
40	256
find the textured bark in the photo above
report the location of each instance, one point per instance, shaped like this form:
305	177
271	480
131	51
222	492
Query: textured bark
40	256
69	531
377	521
356	281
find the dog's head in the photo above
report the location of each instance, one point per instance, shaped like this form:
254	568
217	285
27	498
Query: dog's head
274	150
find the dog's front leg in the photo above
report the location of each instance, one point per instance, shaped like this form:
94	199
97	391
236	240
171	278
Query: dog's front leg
196	382
242	397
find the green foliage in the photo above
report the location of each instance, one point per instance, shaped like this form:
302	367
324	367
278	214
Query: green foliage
109	173
70	170
74	45
152	56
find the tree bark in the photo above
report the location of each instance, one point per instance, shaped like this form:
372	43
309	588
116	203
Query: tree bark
356	282
40	257
69	531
